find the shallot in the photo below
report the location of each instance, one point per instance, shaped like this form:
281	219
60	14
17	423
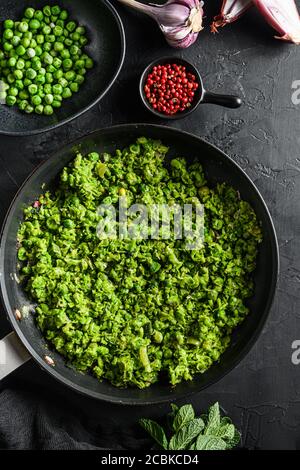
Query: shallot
231	10
283	16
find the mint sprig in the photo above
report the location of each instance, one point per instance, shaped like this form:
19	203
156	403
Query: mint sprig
208	432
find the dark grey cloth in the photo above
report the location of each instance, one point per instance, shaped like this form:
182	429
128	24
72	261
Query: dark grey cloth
28	421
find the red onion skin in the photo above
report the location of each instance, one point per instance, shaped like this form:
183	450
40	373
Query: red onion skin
224	18
287	20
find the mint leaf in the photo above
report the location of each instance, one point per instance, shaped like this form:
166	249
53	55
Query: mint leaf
214	419
156	431
234	441
184	416
210	443
186	434
226	432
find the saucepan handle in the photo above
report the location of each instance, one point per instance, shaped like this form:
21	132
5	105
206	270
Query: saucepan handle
12	354
228	101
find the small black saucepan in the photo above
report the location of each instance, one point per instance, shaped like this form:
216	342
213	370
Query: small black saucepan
218	168
201	95
106	46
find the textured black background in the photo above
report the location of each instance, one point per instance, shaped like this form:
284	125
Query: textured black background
262	395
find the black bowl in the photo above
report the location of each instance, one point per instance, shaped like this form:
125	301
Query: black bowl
106	46
218	168
201	95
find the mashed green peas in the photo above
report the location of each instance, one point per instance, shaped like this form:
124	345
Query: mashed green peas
136	311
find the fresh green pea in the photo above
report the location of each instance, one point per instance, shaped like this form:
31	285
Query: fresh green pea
21	50
79	79
29	13
65	54
58	46
13	91
75	36
47	10
11	78
18	74
8	34
31	74
46	30
12	62
82	71
19	84
67	93
48	98
23	27
74	87
57	98
49	77
68	42
24	95
7	46
57	63
83	41
58	74
38	51
39	109
11	100
40	39
47	89
8	24
80	30
51	68
20	64
39	15
29	109
34	24
33	43
57	30
23	105
54	18
57	89
63	82
36	100
40	79
15	41
30	53
89	63
47	58
56	104
70	75
47	46
50	38
25	43
48	110
33	89
53	53
67	64
71	26
27	82
64	15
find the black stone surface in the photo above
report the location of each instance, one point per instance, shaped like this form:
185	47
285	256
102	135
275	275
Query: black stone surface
262	395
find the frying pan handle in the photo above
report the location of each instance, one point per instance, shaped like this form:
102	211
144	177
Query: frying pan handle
12	355
228	101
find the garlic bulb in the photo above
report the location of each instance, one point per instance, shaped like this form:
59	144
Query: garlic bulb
179	20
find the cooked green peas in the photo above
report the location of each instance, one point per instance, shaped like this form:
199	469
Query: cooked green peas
42	59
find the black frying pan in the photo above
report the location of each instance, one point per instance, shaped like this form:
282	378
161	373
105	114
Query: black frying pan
218	168
106	46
